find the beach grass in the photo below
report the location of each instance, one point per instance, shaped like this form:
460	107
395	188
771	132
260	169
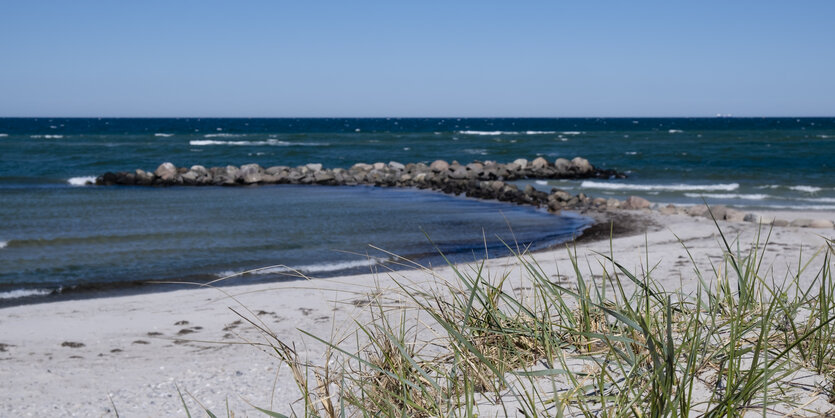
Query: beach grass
611	344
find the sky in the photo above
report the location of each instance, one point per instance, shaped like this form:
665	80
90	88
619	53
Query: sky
416	59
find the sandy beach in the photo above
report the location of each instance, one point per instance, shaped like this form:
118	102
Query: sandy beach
71	358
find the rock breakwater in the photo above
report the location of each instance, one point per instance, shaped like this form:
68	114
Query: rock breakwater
483	180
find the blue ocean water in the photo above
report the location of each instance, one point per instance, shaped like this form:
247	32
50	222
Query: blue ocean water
56	234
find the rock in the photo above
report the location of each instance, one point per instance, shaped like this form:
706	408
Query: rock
460	173
733	215
753	218
562	165
635	203
276	170
801	223
252	173
232	174
439	166
599	201
539	163
821	223
521	162
613	203
716	212
497	185
394	165
561	195
582	165
379	166
143	178
166	172
697	210
323	176
476	168
190	177
312	167
668	210
361	167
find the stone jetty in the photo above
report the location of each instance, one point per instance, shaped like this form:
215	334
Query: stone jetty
483	180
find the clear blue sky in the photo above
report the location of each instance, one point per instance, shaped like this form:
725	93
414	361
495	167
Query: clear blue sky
427	58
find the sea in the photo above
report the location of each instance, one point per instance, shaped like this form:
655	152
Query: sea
62	238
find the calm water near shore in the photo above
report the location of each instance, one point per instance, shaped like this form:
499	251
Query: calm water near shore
56	234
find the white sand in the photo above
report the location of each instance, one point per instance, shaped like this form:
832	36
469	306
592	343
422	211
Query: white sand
40	377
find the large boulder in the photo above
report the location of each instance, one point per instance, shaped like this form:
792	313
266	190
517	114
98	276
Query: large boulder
562	165
821	223
539	163
521	162
251	173
439	166
635	203
582	165
166	171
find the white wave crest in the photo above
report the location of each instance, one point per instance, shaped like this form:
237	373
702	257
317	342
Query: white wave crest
476	151
272	142
730	196
572	133
22	293
3	135
223	135
514	133
46	136
312	268
163	135
663	187
807	189
675	131
485	133
3	244
818	199
81	181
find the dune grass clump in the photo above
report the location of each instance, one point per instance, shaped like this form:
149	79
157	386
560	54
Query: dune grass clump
610	344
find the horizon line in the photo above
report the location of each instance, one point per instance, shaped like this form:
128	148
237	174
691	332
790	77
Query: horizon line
729	116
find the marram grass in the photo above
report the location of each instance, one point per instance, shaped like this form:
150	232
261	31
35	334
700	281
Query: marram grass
616	344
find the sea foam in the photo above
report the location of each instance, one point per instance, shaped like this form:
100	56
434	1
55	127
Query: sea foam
163	135
22	293
81	181
272	142
3	135
3	244
514	133
662	187
754	196
223	135
807	189
312	268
